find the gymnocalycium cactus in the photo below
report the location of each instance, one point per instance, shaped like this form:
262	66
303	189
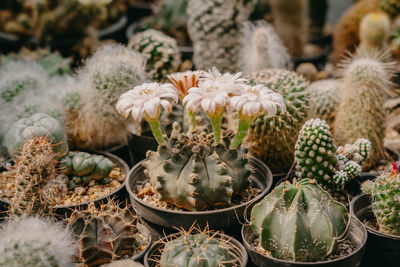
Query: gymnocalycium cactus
105	233
31	241
374	31
316	156
385	193
272	139
160	51
299	222
197	171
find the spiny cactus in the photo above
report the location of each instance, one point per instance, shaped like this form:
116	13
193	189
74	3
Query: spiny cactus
105	233
392	7
95	123
385	193
272	139
324	99
374	31
34	168
299	222
261	48
160	51
193	174
31	241
214	27
290	17
366	82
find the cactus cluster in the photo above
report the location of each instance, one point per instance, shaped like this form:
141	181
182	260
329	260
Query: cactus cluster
192	173
272	139
316	156
374	31
92	121
385	193
160	51
299	222
31	241
214	27
105	233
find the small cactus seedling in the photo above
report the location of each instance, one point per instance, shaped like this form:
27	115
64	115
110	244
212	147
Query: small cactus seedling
299	222
31	241
374	31
385	193
105	234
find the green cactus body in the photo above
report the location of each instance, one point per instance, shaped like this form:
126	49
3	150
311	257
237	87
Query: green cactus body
103	167
82	164
66	163
104	233
37	125
385	193
299	222
374	32
192	250
390	6
193	174
272	139
161	51
214	27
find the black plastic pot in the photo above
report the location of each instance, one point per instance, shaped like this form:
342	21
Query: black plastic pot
236	251
357	234
382	249
119	195
216	219
138	11
318	60
146	232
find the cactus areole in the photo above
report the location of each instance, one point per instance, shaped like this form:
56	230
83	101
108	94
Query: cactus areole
299	222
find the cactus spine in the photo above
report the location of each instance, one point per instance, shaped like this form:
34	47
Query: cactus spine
374	31
272	139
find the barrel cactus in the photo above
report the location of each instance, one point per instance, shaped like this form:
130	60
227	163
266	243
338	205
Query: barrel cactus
374	31
31	241
37	125
272	139
299	222
105	233
160	51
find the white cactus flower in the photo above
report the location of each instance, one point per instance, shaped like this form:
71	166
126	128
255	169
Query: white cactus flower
257	100
231	83
183	81
145	100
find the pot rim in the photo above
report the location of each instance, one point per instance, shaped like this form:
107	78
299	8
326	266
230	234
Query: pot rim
369	229
354	221
195	213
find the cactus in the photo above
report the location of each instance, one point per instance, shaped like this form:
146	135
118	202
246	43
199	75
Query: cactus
160	51
272	139
374	31
95	123
34	168
290	19
201	249
385	194
261	48
366	82
193	174
31	241
214	27
324	99
40	125
105	233
392	7
299	222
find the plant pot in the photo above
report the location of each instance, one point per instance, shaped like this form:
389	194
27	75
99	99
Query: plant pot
216	219
138	11
318	60
146	232
237	251
119	194
357	234
382	249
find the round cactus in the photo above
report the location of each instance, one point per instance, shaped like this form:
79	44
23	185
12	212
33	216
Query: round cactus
82	164
299	222
272	139
160	51
37	125
374	31
103	167
385	193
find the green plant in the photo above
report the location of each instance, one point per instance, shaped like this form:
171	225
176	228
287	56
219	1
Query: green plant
31	241
105	233
385	193
39	125
272	139
374	31
366	83
214	28
160	51
392	7
299	222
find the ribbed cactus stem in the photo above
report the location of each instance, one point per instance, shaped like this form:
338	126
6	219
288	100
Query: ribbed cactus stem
244	124
216	122
192	120
156	129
